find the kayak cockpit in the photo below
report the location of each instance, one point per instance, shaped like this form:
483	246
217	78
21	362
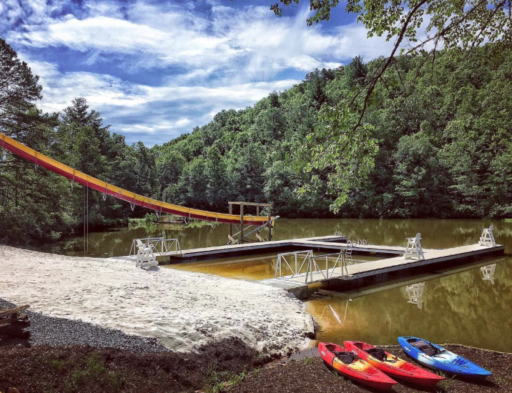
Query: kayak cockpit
345	357
425	347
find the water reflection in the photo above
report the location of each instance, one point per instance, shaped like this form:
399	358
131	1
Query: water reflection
435	234
462	308
488	272
415	294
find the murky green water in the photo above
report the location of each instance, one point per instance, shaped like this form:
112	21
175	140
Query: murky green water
470	306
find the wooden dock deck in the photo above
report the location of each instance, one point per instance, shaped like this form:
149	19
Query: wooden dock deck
356	275
373	272
318	243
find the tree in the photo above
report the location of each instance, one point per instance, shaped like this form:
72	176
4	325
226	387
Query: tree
30	197
456	25
18	93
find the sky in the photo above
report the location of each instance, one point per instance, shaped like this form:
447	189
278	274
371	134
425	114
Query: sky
157	69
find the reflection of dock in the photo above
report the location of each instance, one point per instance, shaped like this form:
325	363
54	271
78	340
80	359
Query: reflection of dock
401	282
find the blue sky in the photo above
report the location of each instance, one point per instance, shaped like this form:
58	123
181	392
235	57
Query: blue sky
157	69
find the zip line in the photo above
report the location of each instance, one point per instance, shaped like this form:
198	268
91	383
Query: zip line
109	189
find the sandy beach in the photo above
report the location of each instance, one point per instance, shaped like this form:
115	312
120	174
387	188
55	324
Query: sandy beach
183	310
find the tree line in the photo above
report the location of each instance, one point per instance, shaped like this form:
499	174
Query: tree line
441	132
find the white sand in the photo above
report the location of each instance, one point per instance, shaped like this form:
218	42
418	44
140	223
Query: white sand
183	310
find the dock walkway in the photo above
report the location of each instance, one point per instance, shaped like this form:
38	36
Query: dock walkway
326	243
356	274
372	272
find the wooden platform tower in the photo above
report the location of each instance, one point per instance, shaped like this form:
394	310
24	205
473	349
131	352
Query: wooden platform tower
242	235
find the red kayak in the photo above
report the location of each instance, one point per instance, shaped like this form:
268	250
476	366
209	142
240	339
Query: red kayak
390	364
349	365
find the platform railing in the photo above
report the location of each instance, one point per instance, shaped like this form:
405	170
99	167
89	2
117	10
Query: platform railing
295	261
339	262
306	264
159	245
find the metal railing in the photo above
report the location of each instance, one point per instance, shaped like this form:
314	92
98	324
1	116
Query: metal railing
159	245
306	264
339	262
295	262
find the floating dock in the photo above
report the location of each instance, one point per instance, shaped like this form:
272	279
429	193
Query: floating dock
363	274
349	275
319	244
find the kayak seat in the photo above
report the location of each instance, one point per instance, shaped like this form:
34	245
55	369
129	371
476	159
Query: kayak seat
425	347
345	357
377	353
380	354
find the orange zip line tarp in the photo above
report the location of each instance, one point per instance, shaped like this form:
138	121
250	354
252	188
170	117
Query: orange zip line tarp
162	207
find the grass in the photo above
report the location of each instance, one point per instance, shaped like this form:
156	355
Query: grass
58	365
93	371
221	381
445	383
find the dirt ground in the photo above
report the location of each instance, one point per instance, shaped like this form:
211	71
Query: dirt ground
311	375
43	369
228	366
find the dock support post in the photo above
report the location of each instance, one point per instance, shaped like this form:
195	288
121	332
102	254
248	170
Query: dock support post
230	225
269	225
242	223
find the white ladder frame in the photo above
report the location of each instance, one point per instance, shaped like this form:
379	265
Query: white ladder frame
487	238
414	249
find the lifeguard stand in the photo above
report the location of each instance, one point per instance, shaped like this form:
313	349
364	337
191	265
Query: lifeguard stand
414	249
487	238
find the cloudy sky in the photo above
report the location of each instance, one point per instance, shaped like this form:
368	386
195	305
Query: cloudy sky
157	69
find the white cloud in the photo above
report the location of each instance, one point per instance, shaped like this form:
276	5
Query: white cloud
131	108
224	58
251	38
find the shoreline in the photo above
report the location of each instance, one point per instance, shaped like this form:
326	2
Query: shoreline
224	366
182	310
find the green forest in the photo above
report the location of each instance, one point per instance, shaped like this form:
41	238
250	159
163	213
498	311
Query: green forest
443	129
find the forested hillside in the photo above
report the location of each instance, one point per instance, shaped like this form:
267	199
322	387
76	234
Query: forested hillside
444	131
443	128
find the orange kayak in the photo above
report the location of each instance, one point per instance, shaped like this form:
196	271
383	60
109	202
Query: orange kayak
349	365
392	365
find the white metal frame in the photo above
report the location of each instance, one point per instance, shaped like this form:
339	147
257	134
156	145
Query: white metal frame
297	260
159	245
339	261
296	256
145	257
348	252
487	238
414	249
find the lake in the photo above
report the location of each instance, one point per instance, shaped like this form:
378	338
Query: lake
470	305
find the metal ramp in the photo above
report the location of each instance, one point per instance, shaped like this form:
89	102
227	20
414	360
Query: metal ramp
305	267
159	246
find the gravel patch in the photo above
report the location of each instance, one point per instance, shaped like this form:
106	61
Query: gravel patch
57	332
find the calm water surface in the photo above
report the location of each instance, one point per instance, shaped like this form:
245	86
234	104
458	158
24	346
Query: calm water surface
471	305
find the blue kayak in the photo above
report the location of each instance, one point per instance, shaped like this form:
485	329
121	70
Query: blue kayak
436	357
